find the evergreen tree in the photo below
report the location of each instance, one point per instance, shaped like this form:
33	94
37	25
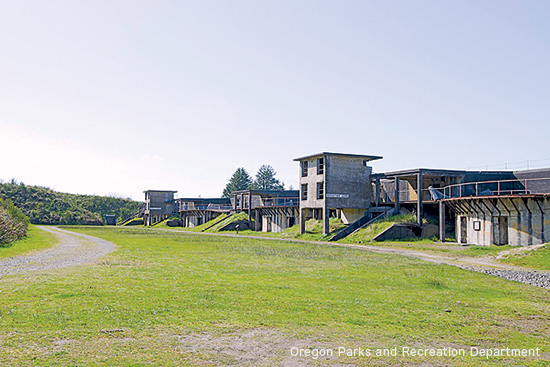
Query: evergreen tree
265	179
240	180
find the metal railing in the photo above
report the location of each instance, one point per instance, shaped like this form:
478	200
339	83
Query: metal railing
267	201
499	187
469	189
218	207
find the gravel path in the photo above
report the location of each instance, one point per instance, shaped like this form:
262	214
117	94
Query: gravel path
72	249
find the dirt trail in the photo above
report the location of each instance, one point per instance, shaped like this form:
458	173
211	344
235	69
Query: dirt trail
72	249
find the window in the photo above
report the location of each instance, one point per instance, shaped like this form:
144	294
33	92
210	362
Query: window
320	190
304	168
320	165
304	191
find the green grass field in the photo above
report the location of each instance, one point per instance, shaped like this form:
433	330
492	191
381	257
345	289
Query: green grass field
188	299
537	259
35	240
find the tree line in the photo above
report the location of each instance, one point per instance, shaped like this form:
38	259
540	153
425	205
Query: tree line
264	180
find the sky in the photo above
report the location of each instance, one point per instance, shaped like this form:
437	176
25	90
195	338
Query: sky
118	97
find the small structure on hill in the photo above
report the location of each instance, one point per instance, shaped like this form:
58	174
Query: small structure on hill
110	219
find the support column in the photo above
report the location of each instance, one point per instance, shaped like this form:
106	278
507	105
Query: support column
419	199
326	227
250	207
377	194
396	194
302	220
257	220
441	221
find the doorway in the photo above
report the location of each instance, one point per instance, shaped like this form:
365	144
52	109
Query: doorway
463	230
500	230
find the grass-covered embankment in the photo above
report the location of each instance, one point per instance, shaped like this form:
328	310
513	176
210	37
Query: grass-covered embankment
536	259
175	295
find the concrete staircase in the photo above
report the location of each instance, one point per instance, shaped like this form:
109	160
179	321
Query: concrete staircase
133	216
371	216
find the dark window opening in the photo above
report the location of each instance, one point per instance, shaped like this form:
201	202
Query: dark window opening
304	168
320	190
320	166
304	191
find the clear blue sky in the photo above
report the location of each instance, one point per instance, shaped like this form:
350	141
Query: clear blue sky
121	96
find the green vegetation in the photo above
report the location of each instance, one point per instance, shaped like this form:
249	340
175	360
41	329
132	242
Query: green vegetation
369	233
13	223
240	180
537	259
314	231
229	219
45	206
206	225
265	179
36	239
177	297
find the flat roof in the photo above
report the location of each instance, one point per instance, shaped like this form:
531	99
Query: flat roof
365	157
160	191
266	192
432	172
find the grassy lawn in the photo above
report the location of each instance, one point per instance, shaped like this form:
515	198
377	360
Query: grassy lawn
183	299
537	259
35	240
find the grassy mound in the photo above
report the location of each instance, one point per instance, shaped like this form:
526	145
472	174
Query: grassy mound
204	226
230	219
369	233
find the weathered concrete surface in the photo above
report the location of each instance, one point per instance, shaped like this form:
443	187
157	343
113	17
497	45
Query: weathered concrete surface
503	220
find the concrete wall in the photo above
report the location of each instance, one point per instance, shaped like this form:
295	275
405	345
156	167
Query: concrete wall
538	181
276	222
345	177
349	177
159	205
527	221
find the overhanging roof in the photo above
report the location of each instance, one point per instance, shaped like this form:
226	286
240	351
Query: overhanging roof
160	191
365	157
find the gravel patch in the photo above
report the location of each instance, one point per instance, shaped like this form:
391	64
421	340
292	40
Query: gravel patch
536	278
72	249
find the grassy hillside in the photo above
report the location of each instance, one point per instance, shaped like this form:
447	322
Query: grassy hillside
45	206
185	299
